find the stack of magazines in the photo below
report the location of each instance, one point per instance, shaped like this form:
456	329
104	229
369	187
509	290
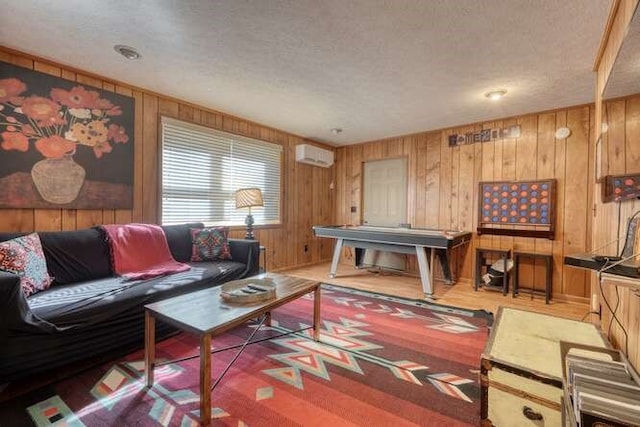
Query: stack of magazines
602	392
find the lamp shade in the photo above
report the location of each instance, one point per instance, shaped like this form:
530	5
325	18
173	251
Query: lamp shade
248	197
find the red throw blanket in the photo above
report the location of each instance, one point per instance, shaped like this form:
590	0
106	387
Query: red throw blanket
141	251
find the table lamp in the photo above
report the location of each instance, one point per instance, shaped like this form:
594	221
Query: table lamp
247	198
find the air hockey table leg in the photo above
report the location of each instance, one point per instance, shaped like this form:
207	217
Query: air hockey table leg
336	258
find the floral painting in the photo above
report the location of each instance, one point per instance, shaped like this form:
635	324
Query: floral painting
63	144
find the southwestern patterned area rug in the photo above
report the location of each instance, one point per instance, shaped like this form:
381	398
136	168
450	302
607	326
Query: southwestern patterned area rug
382	361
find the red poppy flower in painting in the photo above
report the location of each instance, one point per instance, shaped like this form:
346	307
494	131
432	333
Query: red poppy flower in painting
114	111
100	148
77	97
10	89
117	134
14	141
58	124
54	147
43	110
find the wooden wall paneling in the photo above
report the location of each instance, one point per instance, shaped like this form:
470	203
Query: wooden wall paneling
454	195
323	213
358	156
444	214
488	173
137	214
109	215
466	185
290	194
123	216
409	149
466	188
69	219
421	188
211	119
185	112
477	177
415	188
432	199
345	204
318	199
340	184
17	220
48	220
278	238
575	203
47	68
86	218
14	59
526	150
354	196
632	129
545	170
616	141
394	148
591	178
633	307
508	171
559	175
150	160
305	192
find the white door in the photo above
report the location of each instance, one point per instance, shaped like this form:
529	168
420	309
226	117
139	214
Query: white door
385	192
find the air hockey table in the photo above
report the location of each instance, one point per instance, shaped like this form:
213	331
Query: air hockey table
418	241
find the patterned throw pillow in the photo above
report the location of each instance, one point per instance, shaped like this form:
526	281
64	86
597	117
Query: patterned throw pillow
210	244
23	256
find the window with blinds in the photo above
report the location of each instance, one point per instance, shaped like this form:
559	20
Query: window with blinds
203	167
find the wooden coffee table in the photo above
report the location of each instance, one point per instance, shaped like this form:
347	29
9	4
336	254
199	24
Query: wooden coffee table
206	314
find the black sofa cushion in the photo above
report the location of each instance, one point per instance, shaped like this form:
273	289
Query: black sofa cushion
73	256
76	256
179	239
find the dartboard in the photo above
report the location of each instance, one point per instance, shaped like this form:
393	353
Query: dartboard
516	202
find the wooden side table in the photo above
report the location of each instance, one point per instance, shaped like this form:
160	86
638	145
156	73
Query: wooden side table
548	263
263	252
485	254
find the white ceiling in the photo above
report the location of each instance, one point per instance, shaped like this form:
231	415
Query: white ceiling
375	68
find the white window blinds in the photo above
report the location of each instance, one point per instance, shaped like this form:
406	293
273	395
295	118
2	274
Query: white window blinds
202	168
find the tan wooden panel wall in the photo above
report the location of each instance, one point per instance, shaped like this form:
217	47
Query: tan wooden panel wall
622	156
623	118
307	197
443	183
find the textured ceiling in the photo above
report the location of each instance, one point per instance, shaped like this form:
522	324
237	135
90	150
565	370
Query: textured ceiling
375	68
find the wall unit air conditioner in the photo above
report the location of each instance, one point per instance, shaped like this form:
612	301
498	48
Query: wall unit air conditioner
313	155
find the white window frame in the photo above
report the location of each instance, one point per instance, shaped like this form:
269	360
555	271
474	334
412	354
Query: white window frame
194	190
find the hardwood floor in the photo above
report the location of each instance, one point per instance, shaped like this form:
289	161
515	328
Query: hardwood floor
461	294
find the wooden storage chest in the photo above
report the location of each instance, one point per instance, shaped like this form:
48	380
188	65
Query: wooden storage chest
521	367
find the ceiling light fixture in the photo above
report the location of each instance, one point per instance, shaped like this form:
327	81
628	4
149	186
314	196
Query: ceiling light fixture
127	51
336	131
494	95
